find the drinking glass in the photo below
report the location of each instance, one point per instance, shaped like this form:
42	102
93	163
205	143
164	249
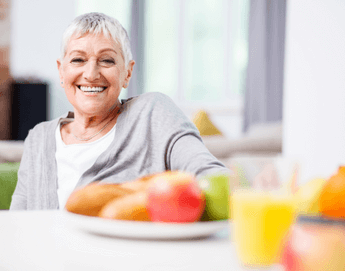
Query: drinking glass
261	219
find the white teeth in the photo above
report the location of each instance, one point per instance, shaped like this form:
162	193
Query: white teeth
92	89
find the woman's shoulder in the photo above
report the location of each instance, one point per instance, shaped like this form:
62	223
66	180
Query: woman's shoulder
43	128
154	108
148	96
150	101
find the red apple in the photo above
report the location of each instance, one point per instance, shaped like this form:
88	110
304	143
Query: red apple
175	197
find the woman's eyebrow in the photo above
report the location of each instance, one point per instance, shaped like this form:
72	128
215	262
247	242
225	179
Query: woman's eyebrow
107	49
101	51
76	51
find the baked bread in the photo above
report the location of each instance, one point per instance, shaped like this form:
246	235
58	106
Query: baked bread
90	199
128	207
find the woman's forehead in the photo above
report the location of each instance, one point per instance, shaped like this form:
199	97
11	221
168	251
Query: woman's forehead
100	40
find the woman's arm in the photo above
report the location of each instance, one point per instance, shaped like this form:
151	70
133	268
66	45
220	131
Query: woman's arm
190	154
177	135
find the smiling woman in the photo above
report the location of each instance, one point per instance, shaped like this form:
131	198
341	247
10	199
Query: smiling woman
104	139
93	69
93	72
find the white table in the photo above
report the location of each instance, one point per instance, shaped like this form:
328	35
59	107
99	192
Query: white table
43	240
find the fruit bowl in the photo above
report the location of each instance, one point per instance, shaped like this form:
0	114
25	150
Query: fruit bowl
316	242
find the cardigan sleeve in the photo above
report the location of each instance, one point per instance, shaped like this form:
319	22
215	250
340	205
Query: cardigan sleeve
19	197
184	147
191	155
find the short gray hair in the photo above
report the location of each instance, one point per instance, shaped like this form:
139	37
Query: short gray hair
98	23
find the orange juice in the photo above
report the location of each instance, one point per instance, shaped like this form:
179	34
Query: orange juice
261	221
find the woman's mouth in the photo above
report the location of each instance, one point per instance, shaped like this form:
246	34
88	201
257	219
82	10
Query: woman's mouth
91	89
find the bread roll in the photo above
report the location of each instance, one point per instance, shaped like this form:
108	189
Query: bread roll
128	207
90	199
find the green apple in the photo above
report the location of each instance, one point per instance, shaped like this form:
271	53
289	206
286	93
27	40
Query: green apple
217	194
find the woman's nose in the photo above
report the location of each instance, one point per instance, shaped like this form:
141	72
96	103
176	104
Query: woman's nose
91	72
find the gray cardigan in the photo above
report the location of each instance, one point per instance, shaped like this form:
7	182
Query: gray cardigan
152	135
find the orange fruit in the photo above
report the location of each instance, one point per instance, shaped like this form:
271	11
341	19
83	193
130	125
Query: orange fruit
332	198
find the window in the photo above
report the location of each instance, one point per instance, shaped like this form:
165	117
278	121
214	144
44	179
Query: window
196	52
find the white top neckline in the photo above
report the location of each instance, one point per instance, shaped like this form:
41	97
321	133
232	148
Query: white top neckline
74	159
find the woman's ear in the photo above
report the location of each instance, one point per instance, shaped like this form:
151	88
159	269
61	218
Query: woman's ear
129	73
59	66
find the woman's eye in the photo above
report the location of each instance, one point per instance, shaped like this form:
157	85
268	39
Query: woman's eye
108	61
77	60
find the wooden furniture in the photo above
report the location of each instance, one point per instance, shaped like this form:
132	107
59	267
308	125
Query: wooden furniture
5	78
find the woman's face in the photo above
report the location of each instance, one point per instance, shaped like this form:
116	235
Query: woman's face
93	73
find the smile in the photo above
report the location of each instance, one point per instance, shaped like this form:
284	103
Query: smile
91	89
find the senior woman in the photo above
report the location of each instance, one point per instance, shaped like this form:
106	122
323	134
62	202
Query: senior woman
104	139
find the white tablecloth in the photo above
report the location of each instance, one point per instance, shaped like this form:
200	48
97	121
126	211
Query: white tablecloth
43	240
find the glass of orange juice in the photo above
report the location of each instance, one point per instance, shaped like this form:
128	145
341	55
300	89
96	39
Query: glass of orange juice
261	220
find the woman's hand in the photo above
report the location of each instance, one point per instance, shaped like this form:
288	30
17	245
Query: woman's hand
267	178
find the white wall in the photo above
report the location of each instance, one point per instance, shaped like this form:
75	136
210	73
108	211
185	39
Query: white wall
36	30
314	90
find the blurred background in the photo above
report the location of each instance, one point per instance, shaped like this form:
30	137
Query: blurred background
269	75
194	51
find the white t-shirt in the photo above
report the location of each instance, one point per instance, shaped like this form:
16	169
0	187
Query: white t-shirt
73	160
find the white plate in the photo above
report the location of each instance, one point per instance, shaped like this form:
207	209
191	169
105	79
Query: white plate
144	230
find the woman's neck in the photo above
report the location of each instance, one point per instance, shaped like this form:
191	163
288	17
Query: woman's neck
86	128
85	122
